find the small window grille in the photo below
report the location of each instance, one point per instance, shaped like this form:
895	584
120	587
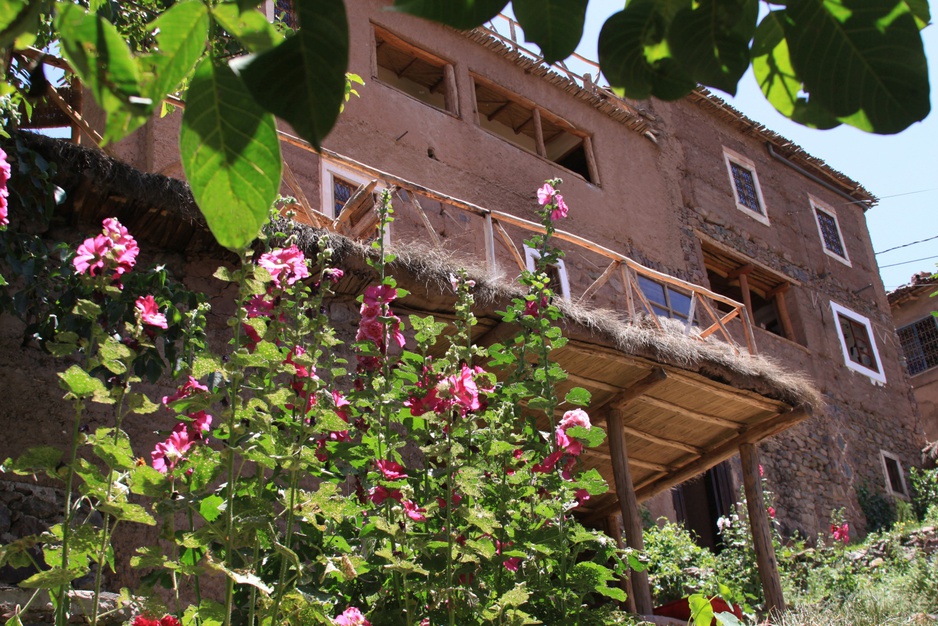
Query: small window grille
830	232
857	341
919	343
342	190
285	13
746	187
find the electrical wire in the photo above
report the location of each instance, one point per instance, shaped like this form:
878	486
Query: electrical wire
906	245
928	258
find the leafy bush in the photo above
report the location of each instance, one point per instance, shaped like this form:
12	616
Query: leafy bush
880	512
677	565
924	493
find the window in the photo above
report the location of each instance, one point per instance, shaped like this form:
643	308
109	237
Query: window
556	272
858	343
919	343
829	229
895	478
414	72
531	128
665	300
338	187
745	184
282	11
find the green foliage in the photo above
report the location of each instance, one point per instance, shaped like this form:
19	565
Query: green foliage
677	566
879	511
924	484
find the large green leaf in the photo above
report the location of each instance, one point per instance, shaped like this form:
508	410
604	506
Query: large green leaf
105	65
556	26
302	80
181	35
921	12
710	39
251	28
18	17
634	53
771	66
862	61
463	14
230	153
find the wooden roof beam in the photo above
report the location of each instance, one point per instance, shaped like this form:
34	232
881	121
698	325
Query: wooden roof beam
692	414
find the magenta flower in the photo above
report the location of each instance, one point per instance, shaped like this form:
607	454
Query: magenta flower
91	255
549	463
379	294
581	495
380	493
190	387
392	470
148	312
4	192
512	564
576	417
464	390
259	306
168	453
351	617
841	533
333	274
560	208
201	423
286	265
413	512
545	194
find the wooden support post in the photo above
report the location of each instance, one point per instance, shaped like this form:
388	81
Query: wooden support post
628	504
781	308
539	134
761	533
451	96
490	262
591	161
747	296
510	245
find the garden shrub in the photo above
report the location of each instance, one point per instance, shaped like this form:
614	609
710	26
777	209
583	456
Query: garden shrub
880	513
924	484
677	565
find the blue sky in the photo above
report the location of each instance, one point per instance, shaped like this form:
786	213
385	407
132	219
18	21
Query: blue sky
902	170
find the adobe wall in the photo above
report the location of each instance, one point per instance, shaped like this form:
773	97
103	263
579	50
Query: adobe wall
924	384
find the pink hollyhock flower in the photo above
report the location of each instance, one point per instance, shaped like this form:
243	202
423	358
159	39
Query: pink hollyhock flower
464	390
379	294
169	620
380	493
253	337
560	208
201	423
90	258
259	306
512	564
333	274
140	620
168	453
545	194
414	513
576	417
841	533
124	249
392	470
771	512
148	312
286	265
581	495
371	329
761	471
567	472
549	463
4	192
351	617
188	388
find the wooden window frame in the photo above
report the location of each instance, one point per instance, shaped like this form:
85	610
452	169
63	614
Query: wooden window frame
731	157
817	207
842	311
887	457
450	96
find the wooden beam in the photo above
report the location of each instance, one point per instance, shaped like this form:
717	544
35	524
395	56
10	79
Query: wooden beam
592	453
599	282
79	121
637	389
664	441
781	307
451	97
490	261
747	295
691	413
719	323
743	270
591	382
734	395
761	532
422	215
539	133
628	504
591	160
510	245
725	450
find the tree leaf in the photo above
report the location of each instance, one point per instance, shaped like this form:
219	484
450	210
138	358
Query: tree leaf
780	84
182	34
462	14
210	507
18	17
710	39
634	52
578	396
230	153
128	512
556	26
38	459
115	451
79	383
105	65
700	609
51	578
251	28
302	79
864	62
921	12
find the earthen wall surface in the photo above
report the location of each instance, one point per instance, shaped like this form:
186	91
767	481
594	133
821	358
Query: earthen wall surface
924	384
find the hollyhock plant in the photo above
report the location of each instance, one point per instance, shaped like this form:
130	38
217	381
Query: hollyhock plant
576	417
4	192
188	388
413	511
167	454
548	198
841	532
391	470
149	313
90	258
114	249
286	265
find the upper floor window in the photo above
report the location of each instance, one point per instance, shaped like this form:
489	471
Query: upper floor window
350	197
919	342
556	272
284	12
415	72
858	343
665	300
829	229
745	184
526	125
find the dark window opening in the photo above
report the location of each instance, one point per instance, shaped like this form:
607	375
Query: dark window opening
857	342
746	187
412	71
919	343
533	129
765	306
830	232
894	475
342	190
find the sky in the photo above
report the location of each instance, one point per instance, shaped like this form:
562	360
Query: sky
901	170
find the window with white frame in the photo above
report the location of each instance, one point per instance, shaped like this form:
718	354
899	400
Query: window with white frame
745	184
895	477
338	185
832	240
858	343
919	342
556	272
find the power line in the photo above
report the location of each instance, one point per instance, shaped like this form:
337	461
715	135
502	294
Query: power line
928	258
906	245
